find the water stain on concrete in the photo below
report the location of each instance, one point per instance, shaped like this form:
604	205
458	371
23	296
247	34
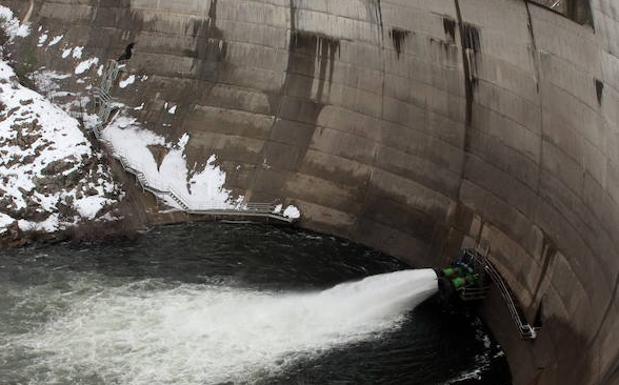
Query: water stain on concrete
471	37
298	104
209	60
449	26
449	50
121	23
210	50
472	48
470	40
307	51
311	60
599	90
398	37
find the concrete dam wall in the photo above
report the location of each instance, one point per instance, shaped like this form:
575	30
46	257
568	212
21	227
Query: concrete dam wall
415	127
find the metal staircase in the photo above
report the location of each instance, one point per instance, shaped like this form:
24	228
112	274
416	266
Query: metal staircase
526	331
105	105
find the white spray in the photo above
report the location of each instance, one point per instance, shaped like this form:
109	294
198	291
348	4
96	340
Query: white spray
153	333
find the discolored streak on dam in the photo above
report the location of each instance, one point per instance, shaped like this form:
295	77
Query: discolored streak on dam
398	36
210	50
416	128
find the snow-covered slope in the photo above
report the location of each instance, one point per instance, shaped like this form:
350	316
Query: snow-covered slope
49	175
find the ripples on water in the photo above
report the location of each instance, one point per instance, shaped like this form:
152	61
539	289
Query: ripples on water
222	304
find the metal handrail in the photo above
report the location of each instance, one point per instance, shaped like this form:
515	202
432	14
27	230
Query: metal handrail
102	95
526	330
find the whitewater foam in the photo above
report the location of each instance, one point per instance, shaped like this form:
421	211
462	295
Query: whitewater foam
152	332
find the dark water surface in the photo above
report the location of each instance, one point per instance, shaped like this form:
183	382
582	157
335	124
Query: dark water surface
133	313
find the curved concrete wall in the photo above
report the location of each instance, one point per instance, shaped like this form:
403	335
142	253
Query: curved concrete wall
413	126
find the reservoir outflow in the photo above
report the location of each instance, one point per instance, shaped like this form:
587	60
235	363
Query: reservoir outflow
228	309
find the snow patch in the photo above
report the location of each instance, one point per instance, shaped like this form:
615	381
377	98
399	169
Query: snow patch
126	82
77	52
139	108
86	65
51	224
90	206
5	221
11	24
55	40
182	142
292	212
172	110
42	40
66	53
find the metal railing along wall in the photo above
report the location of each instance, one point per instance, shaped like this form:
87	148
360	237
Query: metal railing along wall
526	331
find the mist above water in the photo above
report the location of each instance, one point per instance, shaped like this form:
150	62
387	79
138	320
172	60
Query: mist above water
156	332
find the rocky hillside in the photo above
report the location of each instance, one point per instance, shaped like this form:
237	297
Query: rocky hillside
50	175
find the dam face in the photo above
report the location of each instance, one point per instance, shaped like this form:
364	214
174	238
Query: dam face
414	127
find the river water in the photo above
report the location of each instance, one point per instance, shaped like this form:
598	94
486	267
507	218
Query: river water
214	304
